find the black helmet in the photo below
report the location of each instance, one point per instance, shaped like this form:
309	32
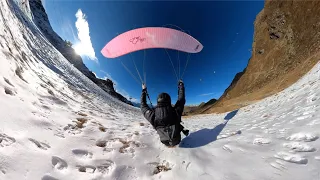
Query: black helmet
164	99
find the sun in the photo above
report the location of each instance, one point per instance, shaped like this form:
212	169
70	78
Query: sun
79	49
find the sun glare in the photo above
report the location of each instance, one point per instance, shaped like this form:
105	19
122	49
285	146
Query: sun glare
79	49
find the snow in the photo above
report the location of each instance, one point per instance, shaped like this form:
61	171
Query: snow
260	141
307	137
299	147
293	158
57	124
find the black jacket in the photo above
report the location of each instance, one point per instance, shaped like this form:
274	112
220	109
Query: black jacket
165	118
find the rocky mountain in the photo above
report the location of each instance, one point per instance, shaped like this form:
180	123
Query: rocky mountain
286	46
40	18
191	110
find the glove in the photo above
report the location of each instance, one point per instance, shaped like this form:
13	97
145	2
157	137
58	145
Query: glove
180	83
144	87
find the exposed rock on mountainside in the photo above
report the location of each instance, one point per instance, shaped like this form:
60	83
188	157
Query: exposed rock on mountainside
40	18
189	110
286	46
107	85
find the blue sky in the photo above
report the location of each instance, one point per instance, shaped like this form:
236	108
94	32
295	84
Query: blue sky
225	29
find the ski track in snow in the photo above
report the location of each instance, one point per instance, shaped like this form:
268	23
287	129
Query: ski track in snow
57	124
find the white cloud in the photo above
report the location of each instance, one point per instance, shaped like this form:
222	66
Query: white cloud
84	47
207	94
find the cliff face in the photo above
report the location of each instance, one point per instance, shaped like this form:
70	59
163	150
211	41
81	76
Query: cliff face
107	85
286	46
40	18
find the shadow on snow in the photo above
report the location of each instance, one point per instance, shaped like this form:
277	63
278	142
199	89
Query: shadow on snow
205	136
230	115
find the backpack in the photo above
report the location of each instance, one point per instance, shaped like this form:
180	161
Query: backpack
167	124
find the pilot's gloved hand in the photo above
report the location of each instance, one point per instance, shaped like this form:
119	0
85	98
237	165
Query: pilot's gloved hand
144	87
180	84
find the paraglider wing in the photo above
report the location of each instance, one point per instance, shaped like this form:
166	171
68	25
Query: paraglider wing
151	37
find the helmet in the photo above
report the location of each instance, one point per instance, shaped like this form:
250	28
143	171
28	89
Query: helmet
164	99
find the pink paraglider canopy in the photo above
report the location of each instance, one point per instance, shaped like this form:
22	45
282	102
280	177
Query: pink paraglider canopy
151	37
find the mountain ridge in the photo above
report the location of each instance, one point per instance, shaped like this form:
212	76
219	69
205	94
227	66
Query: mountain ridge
286	46
41	20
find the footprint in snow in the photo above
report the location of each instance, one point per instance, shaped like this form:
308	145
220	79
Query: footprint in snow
299	147
292	158
312	98
82	153
125	172
72	129
261	141
227	148
48	177
187	164
284	130
304	117
82	114
107	150
101	143
6	140
308	112
307	137
276	124
278	165
39	144
86	169
8	82
129	146
101	166
9	91
59	134
59	163
160	167
269	131
226	135
314	122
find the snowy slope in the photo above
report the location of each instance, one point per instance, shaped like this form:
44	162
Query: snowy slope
56	124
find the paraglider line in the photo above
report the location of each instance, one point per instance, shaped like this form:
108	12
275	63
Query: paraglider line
188	58
144	71
136	68
134	77
172	65
179	64
145	79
